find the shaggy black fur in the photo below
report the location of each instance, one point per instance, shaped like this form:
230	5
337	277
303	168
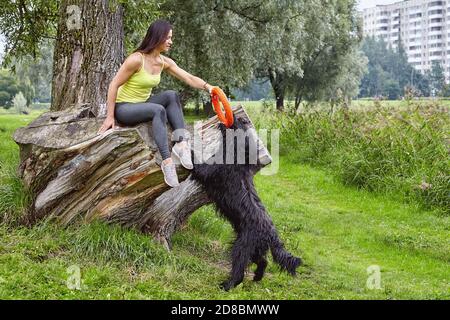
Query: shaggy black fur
231	187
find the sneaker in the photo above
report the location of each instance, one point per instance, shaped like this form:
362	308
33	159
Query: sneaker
170	174
183	154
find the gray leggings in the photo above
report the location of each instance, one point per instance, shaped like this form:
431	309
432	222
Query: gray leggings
157	109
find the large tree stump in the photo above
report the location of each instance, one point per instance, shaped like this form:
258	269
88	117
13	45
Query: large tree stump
74	173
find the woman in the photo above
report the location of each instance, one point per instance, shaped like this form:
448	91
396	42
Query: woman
129	99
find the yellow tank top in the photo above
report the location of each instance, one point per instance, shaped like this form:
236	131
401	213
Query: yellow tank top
139	86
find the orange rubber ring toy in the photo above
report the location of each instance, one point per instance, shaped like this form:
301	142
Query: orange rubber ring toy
218	95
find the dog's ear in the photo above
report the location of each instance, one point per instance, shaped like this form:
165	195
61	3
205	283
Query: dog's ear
221	127
244	121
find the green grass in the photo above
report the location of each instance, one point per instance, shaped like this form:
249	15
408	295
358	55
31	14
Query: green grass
402	151
339	232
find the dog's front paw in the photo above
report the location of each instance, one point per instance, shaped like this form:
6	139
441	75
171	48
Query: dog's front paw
226	285
258	277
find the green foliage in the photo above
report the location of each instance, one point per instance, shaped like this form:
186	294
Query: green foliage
389	73
8	88
11	85
138	15
25	24
333	61
402	152
20	102
36	74
436	78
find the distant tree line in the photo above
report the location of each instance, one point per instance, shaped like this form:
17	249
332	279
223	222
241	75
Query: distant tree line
31	77
390	75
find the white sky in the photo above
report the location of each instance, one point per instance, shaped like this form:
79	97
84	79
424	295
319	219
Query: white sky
363	4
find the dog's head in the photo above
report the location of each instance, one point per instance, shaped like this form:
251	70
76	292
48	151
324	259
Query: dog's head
238	123
245	142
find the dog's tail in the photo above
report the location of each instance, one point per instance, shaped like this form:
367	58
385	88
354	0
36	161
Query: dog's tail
286	260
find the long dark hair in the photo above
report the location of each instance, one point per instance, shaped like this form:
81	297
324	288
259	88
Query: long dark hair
156	34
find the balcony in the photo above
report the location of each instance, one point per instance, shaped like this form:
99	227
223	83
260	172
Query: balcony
436	23
436	4
414	48
436	13
433	41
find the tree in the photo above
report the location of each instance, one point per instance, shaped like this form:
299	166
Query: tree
436	77
391	89
389	73
37	73
336	63
272	40
327	54
79	56
19	102
217	52
8	88
262	39
352	68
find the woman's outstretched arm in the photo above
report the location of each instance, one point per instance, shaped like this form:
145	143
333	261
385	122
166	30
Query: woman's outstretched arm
191	80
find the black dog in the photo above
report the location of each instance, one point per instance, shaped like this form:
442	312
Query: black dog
231	187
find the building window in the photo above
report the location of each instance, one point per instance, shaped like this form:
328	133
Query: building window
431	12
435	3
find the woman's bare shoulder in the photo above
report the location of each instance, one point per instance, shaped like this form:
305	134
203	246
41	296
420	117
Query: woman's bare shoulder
168	63
133	61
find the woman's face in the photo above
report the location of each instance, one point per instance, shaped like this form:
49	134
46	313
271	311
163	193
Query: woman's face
165	46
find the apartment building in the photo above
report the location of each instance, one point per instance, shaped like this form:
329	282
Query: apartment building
423	26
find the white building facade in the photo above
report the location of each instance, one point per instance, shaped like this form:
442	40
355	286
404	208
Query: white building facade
423	26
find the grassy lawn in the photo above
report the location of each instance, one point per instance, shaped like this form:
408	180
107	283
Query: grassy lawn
338	231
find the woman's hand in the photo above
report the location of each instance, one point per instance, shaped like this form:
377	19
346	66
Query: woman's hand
209	88
108	123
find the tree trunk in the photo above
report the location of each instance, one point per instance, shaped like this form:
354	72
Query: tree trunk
277	81
208	108
74	174
88	52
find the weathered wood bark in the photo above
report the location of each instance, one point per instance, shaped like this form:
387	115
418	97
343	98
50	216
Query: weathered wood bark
75	174
278	84
88	53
